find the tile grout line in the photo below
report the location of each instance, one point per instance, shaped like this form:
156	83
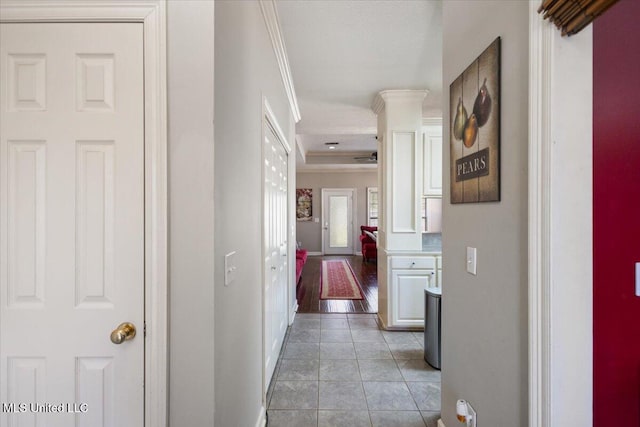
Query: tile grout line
364	392
396	363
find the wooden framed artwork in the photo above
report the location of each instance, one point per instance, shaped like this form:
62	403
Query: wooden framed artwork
474	108
304	197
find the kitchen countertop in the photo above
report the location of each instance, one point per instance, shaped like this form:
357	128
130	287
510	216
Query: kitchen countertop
435	252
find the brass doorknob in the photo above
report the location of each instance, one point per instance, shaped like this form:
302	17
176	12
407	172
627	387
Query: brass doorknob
124	332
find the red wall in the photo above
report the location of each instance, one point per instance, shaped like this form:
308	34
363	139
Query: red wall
616	215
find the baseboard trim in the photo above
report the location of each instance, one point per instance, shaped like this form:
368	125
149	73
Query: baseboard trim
440	423
384	326
293	314
262	417
359	253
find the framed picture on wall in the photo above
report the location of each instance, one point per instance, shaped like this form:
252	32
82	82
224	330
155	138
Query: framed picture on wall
474	108
304	198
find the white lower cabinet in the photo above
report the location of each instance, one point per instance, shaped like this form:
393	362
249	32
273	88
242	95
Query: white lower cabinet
402	279
408	277
407	296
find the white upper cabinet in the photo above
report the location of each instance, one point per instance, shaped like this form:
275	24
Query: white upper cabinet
432	160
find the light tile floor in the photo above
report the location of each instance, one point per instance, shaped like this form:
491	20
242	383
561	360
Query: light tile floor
343	370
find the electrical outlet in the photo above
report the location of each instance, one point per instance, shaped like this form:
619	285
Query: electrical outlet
474	416
230	268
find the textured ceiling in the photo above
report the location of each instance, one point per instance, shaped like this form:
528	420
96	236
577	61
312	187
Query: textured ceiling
342	53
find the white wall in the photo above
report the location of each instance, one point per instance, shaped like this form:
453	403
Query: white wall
484	323
190	158
246	70
310	233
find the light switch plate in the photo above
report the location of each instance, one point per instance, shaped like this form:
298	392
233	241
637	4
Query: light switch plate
230	268
638	279
471	260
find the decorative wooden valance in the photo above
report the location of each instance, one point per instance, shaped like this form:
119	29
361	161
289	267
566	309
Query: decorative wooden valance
571	16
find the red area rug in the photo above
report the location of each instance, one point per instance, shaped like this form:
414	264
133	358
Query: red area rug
337	281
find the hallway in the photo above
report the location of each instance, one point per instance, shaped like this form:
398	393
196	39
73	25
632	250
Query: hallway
308	291
342	369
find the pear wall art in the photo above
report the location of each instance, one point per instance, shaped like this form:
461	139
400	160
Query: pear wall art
475	130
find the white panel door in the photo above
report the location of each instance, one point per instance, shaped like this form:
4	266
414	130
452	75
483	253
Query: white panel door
275	250
337	219
72	223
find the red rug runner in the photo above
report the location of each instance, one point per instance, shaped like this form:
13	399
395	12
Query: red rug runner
337	281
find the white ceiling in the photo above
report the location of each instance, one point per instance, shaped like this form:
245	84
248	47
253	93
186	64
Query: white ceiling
343	52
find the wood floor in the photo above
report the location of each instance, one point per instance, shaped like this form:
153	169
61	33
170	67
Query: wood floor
309	292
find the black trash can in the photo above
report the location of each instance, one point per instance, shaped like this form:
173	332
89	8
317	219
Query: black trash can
432	308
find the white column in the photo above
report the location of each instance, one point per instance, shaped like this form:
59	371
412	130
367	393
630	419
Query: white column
400	164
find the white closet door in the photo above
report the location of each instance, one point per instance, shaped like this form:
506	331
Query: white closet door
275	240
72	223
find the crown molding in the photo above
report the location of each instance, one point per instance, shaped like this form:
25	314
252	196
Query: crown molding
432	121
270	14
334	153
378	104
401	94
336	130
333	168
301	149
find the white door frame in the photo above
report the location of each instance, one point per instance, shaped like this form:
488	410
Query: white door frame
269	119
560	227
152	14
325	214
539	223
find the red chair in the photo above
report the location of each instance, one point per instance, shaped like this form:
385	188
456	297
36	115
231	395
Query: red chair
301	259
369	245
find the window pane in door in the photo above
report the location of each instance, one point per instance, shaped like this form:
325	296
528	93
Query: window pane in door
338	221
372	206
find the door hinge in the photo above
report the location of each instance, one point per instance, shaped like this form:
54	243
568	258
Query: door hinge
144	329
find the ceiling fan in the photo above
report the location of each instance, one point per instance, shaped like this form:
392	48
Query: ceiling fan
373	158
